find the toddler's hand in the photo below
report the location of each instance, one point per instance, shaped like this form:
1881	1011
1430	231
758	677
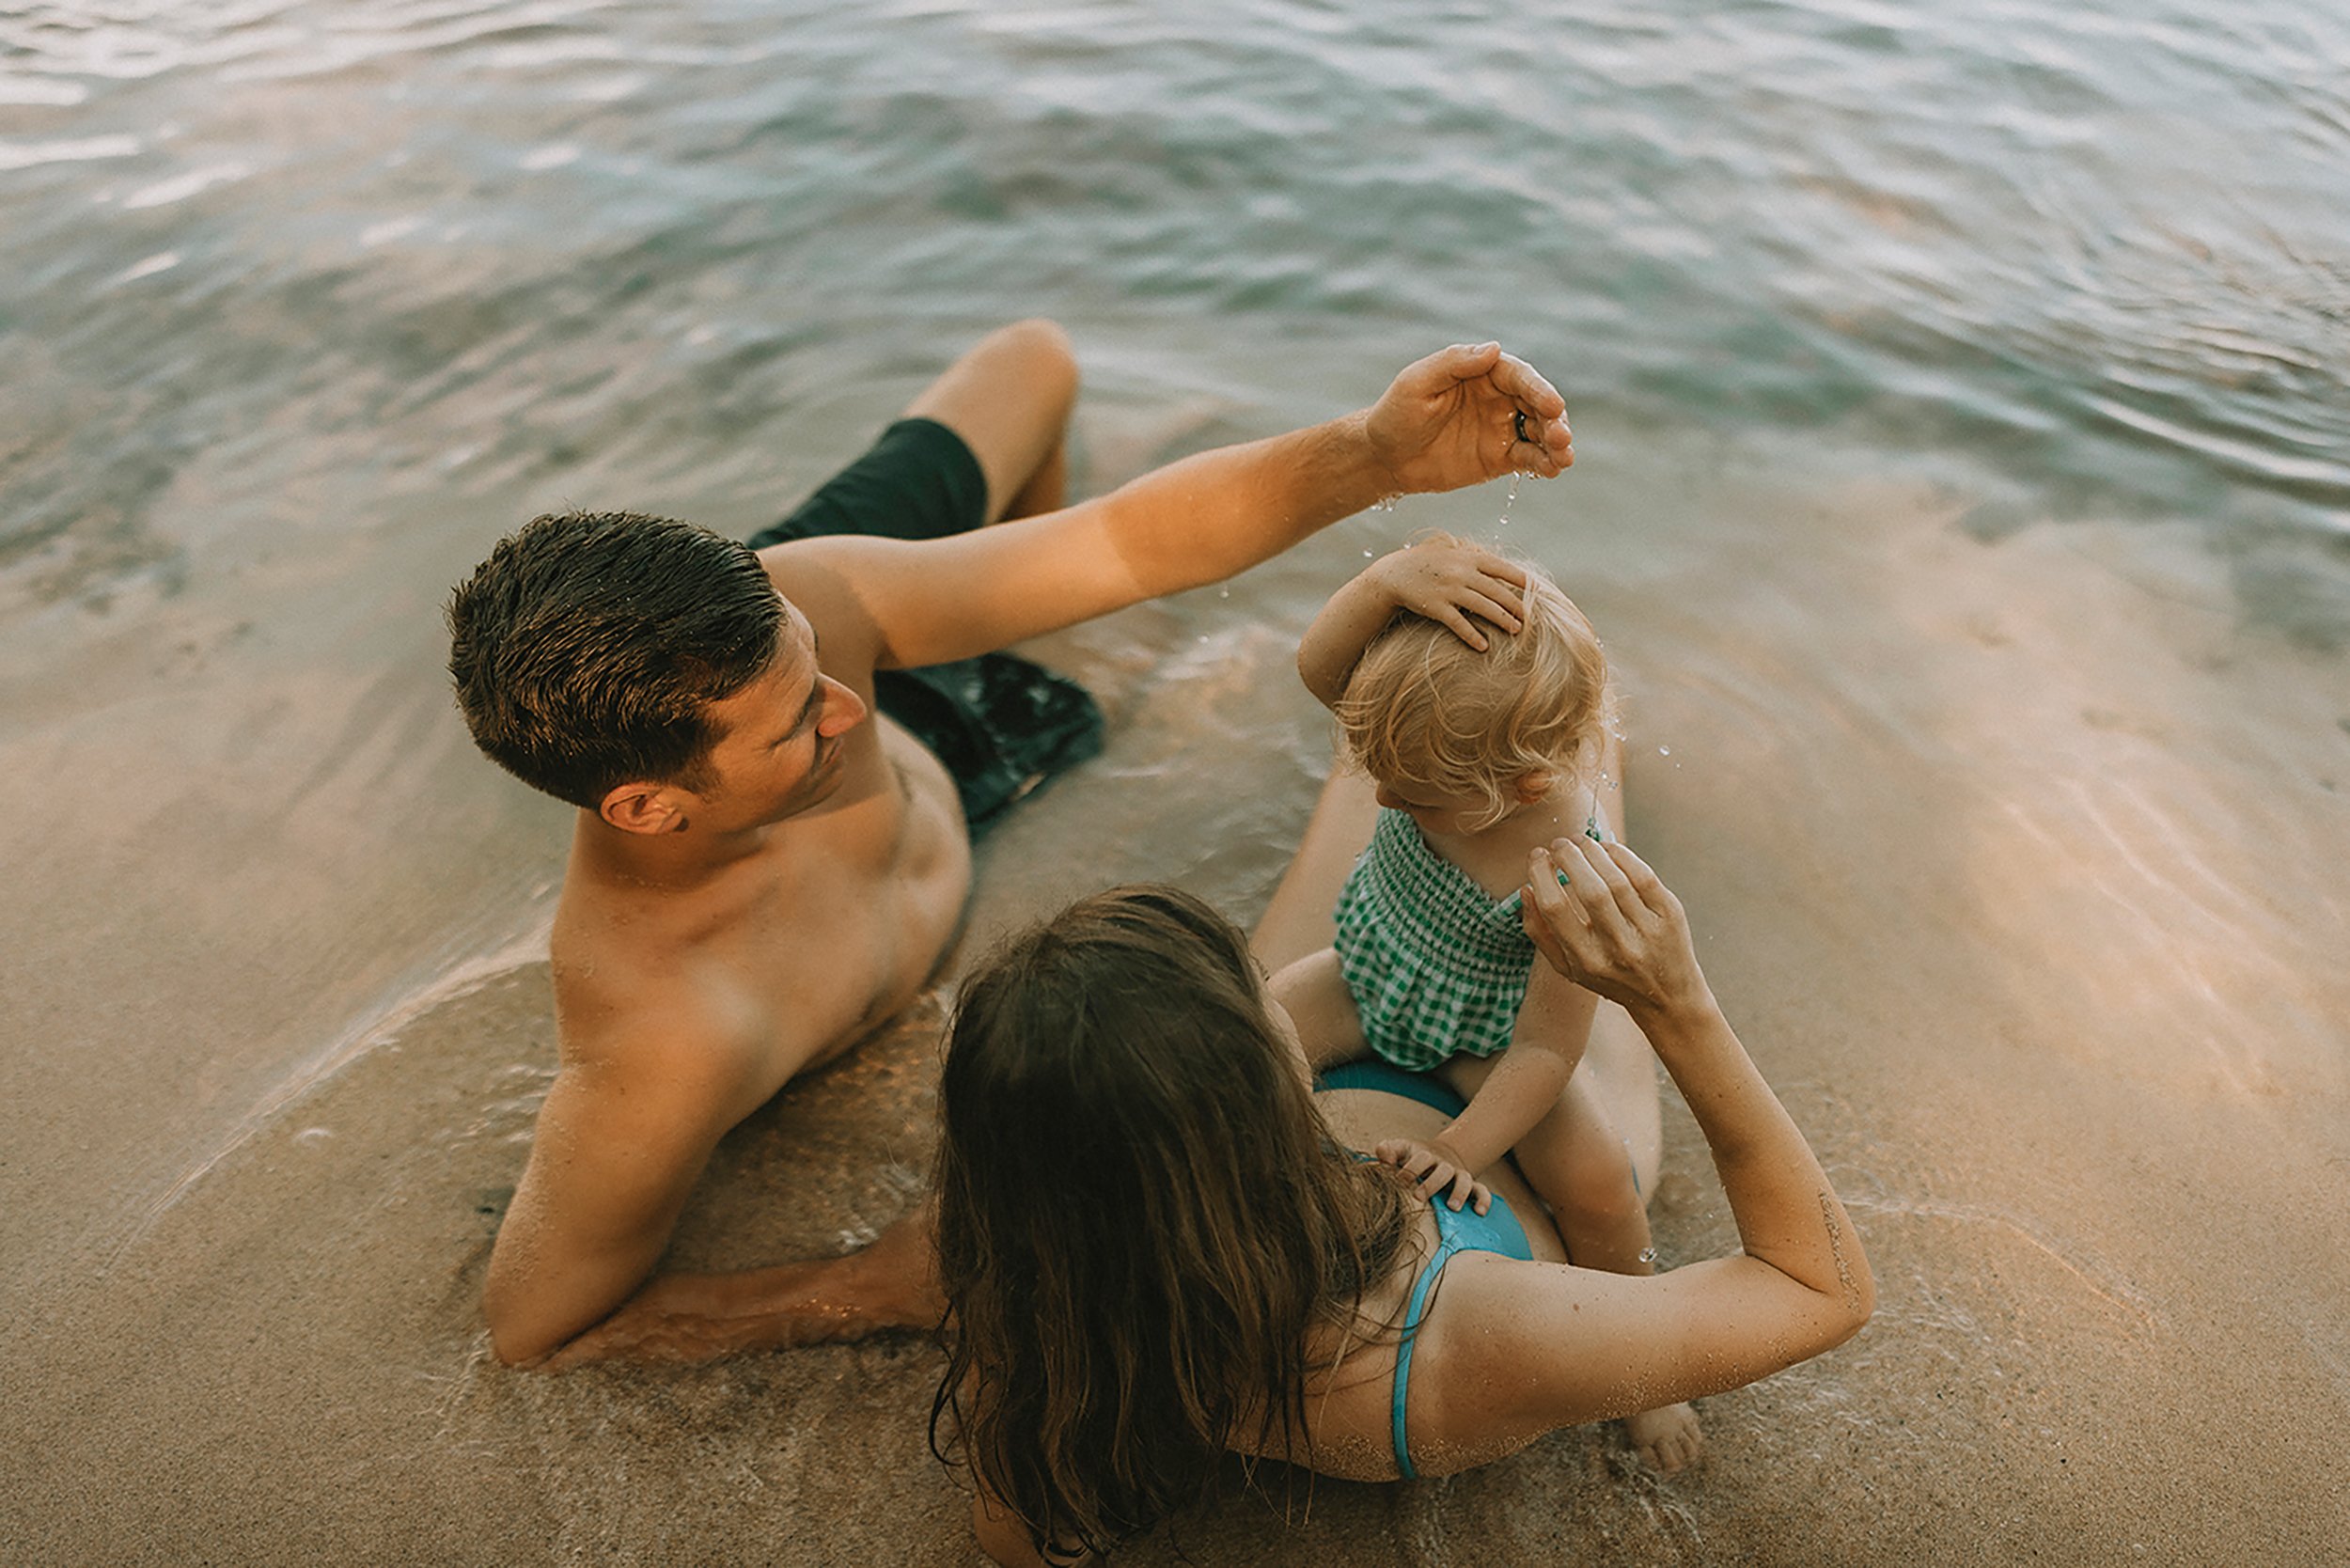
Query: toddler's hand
1435	1166
1446	580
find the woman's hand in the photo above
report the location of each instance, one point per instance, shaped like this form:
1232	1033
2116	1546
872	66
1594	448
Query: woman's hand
1448	580
1605	921
1435	1166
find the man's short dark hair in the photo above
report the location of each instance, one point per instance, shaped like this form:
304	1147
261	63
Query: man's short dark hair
587	649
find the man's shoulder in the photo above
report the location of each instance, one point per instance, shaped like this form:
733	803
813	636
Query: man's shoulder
626	991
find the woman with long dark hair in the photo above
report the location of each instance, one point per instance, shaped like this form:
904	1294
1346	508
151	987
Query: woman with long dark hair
1158	1245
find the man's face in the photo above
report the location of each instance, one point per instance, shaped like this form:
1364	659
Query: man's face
781	746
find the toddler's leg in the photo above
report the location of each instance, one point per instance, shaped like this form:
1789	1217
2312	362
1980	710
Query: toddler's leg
1578	1160
1320	1005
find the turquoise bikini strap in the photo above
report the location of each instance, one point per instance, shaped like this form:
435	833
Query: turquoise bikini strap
1446	1247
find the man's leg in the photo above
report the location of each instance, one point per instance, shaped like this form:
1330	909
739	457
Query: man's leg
1009	398
982	441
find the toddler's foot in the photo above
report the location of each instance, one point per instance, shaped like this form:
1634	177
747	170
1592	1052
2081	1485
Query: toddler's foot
1666	1438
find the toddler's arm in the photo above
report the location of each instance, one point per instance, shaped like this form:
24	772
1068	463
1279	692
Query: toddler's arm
1553	1026
1440	578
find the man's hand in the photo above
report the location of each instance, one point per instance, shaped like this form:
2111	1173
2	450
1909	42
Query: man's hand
674	1318
1465	414
1437	1167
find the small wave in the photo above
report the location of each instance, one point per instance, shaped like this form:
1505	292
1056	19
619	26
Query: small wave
25	155
376	1029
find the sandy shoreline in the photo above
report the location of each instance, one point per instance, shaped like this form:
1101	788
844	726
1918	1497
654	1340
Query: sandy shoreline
2008	860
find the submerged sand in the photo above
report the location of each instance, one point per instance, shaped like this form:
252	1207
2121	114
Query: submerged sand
2018	862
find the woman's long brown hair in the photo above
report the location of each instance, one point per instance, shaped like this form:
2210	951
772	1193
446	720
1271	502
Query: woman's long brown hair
1141	1219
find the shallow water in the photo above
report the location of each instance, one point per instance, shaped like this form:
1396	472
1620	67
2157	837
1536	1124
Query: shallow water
1965	490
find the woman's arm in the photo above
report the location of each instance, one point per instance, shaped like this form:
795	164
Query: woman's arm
1549	1346
1604	919
1440	578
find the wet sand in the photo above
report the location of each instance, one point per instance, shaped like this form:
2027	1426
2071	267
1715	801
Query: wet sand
2016	860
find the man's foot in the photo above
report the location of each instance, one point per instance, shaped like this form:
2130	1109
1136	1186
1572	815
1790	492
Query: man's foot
1668	1438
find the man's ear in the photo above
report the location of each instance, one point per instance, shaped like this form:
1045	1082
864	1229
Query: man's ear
645	807
1534	786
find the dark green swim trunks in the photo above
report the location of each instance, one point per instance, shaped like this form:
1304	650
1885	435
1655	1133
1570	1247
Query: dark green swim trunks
1002	725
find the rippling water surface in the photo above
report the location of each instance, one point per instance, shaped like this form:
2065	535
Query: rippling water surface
456	245
1963	401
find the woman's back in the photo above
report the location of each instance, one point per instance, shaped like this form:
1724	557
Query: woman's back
1350	1407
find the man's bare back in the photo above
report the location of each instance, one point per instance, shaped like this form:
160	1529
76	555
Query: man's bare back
727	923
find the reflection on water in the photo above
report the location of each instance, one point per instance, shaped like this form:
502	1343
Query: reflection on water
2109	246
1964	486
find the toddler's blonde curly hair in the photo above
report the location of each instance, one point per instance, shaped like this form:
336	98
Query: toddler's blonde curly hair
1424	708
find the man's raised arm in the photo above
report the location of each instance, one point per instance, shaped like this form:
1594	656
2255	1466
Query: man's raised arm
1460	416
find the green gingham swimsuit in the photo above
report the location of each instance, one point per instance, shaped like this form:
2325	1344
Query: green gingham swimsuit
1435	967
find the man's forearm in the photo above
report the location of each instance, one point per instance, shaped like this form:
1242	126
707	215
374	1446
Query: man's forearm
1207	517
891	1284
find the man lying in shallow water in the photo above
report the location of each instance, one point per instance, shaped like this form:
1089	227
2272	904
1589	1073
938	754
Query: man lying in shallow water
759	877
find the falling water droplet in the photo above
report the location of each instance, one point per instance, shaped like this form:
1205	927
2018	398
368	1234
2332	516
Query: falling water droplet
1664	751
